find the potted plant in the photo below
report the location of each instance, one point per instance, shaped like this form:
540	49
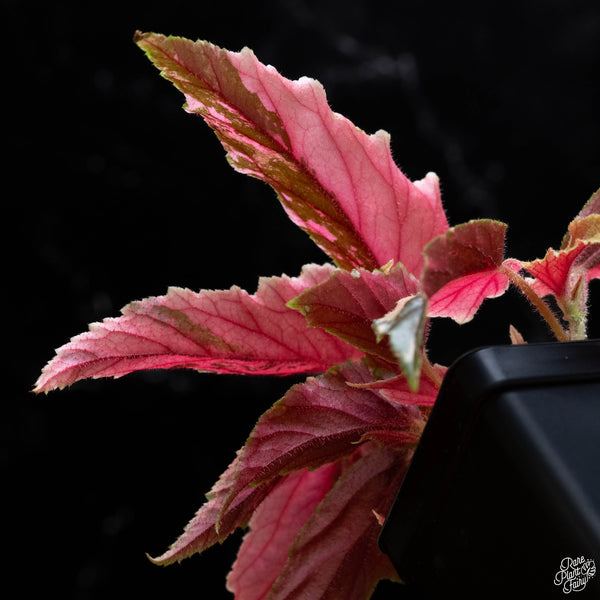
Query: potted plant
320	469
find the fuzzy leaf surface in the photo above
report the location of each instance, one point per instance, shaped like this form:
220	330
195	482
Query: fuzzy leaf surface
211	524
336	555
561	272
462	269
337	183
227	331
315	423
348	302
273	528
318	422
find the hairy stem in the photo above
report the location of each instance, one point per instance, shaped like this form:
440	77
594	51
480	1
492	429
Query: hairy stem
575	311
544	310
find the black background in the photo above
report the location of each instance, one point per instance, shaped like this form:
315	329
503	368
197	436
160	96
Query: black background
112	193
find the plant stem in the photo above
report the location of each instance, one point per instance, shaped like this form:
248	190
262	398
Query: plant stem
544	310
575	311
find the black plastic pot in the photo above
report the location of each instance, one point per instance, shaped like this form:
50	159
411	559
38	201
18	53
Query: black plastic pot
502	498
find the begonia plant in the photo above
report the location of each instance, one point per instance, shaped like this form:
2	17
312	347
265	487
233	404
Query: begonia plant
320	469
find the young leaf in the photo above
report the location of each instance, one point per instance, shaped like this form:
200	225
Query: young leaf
338	184
348	302
273	528
578	251
336	555
405	327
462	269
559	272
219	331
565	273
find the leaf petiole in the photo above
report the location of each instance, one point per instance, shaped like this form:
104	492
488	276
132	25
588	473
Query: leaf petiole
544	310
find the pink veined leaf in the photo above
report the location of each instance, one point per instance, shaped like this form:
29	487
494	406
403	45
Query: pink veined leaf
226	331
335	554
337	183
315	423
318	422
462	269
347	303
461	298
273	528
211	524
552	273
566	275
561	272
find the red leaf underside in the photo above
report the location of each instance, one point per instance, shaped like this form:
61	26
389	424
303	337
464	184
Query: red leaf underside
314	424
336	555
318	422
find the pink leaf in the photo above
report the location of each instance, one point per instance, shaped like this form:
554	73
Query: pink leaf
337	183
347	304
561	272
211	524
274	527
336	555
552	272
219	331
318	422
462	269
460	299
